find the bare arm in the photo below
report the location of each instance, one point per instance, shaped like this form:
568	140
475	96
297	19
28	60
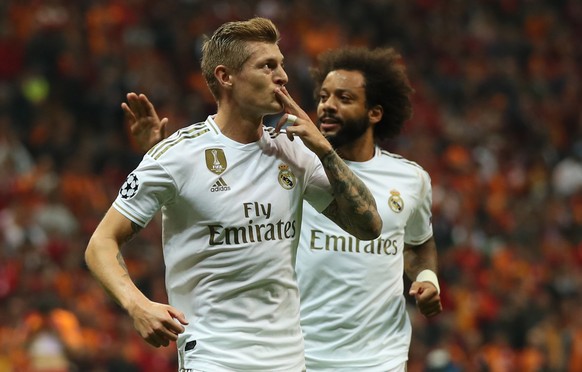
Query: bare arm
353	208
154	321
416	259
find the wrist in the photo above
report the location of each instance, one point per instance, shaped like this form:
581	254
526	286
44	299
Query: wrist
134	302
429	276
326	154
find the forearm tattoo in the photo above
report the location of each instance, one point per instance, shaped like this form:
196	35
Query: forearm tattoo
121	262
352	196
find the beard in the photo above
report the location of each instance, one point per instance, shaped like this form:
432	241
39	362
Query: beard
350	130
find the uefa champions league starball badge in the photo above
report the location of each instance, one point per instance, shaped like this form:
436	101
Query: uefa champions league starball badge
129	187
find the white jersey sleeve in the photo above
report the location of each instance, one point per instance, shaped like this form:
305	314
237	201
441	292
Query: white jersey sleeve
317	188
148	187
419	226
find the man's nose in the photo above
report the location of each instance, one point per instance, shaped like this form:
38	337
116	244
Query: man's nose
281	77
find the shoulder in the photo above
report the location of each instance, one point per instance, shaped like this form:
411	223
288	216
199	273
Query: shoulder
404	167
182	137
400	161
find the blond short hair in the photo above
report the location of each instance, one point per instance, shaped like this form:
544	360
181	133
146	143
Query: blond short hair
228	46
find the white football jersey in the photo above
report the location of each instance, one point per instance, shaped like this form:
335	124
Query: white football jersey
353	311
231	217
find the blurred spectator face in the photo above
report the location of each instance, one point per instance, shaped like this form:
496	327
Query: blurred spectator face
342	109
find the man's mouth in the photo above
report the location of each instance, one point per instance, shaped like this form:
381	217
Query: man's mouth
329	125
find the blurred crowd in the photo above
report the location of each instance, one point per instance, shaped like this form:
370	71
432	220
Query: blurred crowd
497	123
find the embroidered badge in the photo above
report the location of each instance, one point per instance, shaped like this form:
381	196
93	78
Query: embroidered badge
215	160
286	178
129	187
395	201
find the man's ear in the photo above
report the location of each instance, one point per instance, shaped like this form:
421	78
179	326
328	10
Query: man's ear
375	114
223	76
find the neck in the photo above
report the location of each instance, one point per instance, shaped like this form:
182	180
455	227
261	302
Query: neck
239	126
360	150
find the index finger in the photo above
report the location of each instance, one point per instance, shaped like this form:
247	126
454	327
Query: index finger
290	105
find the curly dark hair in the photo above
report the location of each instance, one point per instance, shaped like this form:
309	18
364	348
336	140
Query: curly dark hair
386	83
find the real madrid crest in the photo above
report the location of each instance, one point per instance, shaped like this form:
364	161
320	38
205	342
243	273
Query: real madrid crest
395	201
286	178
215	160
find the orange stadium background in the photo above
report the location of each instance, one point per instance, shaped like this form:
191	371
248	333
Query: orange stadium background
497	123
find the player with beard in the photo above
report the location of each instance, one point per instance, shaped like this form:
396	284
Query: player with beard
353	312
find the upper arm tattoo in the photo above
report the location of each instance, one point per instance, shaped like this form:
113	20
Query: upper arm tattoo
135	228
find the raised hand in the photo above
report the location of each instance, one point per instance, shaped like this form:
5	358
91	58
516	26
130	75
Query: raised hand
353	208
145	126
302	125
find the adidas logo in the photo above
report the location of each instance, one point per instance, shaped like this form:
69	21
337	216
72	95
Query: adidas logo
219	185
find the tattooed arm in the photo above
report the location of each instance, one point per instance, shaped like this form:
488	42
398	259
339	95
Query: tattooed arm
153	321
354	207
418	258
